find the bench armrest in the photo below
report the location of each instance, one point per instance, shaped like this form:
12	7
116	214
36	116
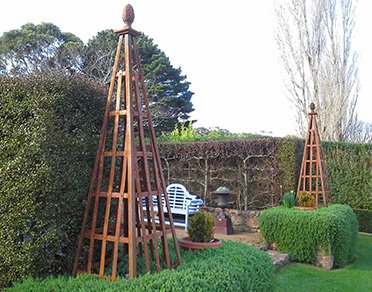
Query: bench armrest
196	202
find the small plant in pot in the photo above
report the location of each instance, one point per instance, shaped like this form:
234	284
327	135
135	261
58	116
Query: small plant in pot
201	232
305	200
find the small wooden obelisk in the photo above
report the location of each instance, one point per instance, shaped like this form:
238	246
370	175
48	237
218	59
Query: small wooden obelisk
122	220
313	174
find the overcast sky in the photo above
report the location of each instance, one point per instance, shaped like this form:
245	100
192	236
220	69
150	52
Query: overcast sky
226	49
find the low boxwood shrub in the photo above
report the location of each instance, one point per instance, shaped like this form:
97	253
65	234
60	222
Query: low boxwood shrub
364	220
233	267
302	233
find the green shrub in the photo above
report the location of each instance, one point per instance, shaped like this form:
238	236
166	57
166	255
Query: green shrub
364	220
305	199
288	200
301	233
349	168
184	132
49	127
201	227
289	155
233	267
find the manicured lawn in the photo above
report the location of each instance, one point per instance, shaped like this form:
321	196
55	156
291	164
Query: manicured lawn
354	277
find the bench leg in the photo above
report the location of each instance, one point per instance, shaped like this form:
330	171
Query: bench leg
186	221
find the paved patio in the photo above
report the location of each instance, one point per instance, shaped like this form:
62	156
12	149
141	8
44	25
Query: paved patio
251	238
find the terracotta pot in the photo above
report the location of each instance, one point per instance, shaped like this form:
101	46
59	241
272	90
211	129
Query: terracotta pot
186	243
304	208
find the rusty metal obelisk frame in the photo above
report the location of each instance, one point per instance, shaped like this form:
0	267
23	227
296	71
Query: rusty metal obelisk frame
121	223
313	174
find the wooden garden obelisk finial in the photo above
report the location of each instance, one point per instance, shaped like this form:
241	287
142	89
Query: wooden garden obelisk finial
313	174
122	220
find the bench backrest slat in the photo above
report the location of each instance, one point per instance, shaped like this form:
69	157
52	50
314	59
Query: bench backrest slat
178	196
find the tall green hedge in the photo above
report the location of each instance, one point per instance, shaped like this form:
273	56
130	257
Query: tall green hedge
301	233
364	219
49	127
289	156
350	172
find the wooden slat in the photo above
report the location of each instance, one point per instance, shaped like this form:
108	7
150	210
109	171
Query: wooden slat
114	153
146	177
111	177
159	177
113	195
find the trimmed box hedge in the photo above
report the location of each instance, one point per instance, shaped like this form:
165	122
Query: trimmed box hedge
233	267
301	234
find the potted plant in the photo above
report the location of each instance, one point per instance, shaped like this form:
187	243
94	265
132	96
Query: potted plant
201	232
223	194
305	201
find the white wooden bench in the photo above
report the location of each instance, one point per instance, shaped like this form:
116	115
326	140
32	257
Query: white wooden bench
181	202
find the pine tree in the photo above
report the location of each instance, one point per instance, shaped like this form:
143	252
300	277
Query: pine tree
168	90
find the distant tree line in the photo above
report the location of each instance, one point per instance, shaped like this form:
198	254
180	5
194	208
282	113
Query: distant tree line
43	48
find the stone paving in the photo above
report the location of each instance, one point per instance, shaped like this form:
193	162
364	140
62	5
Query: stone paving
251	238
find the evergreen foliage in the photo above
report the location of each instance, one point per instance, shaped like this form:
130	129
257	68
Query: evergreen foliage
185	132
201	227
233	267
44	48
38	49
289	200
333	230
350	172
289	156
364	219
49	127
305	199
167	89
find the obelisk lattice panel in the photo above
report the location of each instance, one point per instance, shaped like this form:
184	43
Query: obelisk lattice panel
313	173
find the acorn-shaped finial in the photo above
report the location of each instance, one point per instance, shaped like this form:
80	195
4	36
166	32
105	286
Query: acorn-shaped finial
128	16
312	106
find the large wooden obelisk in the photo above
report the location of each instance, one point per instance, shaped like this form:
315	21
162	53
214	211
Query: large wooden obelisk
122	221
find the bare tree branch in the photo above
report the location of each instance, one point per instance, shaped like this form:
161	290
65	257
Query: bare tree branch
314	38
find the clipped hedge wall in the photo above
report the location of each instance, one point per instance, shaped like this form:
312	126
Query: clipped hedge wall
49	127
350	172
300	233
259	171
233	267
364	219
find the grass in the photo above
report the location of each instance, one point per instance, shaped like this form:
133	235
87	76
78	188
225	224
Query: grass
295	277
354	277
